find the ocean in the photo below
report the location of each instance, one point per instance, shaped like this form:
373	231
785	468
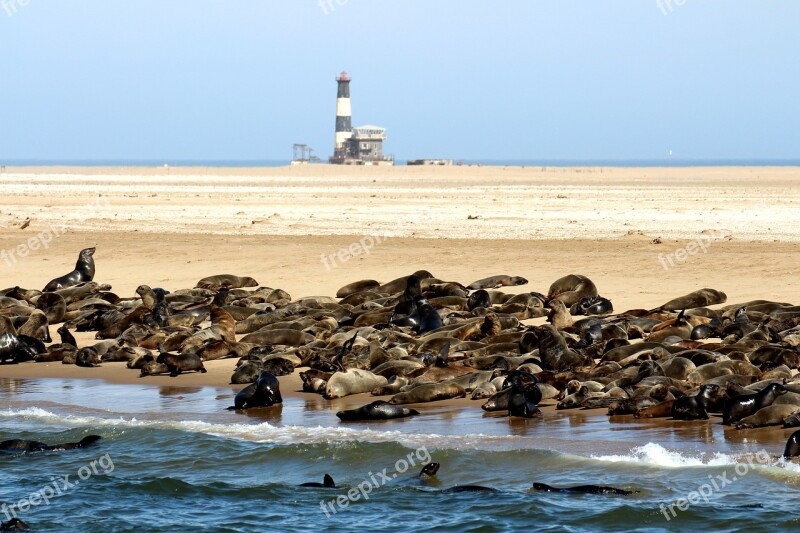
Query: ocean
241	163
174	459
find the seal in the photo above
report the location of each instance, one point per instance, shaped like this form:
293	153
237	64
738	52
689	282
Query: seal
27	446
327	483
178	363
592	306
522	401
15	524
84	272
265	392
377	410
700	298
19	348
356	287
479	298
53	305
792	448
584	489
429	392
36	327
467	488
744	405
429	318
493	282
353	381
226	280
694	407
772	415
571	289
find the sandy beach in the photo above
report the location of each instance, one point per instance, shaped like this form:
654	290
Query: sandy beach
170	230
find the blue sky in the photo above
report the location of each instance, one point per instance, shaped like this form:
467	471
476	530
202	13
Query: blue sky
244	79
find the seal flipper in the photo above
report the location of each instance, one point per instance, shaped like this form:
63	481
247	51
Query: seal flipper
441	358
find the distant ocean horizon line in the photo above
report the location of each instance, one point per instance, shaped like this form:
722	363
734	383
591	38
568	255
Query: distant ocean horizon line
246	163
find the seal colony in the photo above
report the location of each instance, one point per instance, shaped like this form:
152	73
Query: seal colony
419	339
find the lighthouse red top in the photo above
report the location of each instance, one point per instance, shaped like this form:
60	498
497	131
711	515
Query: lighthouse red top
343	76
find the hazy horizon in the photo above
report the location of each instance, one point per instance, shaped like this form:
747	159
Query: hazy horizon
243	80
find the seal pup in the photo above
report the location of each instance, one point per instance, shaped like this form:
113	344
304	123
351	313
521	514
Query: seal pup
377	410
27	446
178	363
327	483
744	405
84	272
584	489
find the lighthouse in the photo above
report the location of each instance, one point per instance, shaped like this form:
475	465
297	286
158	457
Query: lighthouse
355	146
344	118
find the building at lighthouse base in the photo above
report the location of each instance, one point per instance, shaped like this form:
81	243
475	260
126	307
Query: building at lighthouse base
363	147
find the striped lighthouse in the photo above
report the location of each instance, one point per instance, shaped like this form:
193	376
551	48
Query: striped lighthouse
344	121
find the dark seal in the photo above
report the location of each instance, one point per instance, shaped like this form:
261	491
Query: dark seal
27	446
327	483
747	404
84	272
378	410
265	392
584	489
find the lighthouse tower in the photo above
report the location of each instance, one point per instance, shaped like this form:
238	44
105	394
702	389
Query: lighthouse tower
344	120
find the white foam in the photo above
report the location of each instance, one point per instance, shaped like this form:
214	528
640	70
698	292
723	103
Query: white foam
267	433
657	455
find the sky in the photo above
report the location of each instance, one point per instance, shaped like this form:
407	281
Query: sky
180	80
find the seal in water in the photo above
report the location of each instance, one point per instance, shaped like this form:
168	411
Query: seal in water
468	488
377	410
792	445
26	446
265	392
327	483
15	524
84	272
584	489
745	405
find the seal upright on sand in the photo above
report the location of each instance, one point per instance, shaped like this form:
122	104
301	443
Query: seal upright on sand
84	272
